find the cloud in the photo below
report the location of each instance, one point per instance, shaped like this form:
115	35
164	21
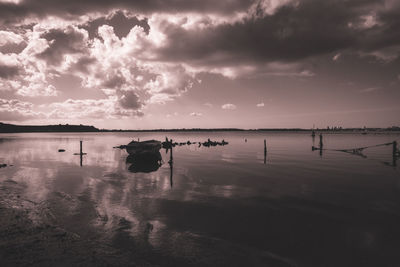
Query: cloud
61	42
336	57
17	11
130	100
121	22
369	90
385	55
138	53
196	114
8	71
107	108
16	110
229	106
211	105
260	105
11	42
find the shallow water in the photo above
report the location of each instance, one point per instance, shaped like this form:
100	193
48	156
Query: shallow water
221	205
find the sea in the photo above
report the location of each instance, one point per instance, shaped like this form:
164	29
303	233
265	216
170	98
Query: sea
226	205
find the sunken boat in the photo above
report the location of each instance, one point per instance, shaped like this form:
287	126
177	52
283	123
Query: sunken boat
143	148
144	156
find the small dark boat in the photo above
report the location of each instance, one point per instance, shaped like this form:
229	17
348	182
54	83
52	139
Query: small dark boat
143	148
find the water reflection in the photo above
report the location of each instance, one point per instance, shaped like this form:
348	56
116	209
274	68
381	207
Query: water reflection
171	167
150	163
220	201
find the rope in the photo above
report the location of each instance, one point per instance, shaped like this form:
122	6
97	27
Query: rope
360	149
357	150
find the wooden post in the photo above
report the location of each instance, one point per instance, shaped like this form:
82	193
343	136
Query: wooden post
394	149
265	146
171	163
171	159
265	151
321	144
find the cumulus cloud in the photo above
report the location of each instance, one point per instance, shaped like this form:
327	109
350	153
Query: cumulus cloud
89	108
260	105
135	53
62	42
196	114
121	22
23	74
11	42
229	106
8	71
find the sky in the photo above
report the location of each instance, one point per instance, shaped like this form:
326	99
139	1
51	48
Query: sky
126	64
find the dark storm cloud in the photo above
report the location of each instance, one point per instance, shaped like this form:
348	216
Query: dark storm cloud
121	23
292	33
115	81
11	12
61	42
130	100
7	72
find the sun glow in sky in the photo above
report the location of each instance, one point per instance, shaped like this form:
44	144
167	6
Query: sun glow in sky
174	64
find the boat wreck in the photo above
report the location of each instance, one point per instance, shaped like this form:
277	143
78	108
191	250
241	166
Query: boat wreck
144	156
143	148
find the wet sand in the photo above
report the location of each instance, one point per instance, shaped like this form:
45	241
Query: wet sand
30	235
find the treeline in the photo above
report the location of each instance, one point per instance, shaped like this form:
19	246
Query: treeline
179	130
11	128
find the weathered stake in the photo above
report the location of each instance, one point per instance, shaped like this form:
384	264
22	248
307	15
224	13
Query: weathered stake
321	144
265	151
394	149
265	146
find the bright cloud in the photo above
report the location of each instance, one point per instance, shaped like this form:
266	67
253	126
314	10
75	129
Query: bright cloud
229	106
260	105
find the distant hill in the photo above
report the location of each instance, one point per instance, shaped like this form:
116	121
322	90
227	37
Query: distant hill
11	128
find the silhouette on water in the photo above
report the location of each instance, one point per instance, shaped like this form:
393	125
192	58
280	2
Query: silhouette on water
358	151
81	154
150	163
171	167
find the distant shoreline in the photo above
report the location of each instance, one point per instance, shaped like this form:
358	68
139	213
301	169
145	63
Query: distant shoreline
11	128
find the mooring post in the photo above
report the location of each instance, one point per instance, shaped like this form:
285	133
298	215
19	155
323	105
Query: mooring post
81	147
265	151
171	159
321	144
265	146
394	149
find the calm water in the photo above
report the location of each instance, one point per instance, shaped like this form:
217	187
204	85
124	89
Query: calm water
220	206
